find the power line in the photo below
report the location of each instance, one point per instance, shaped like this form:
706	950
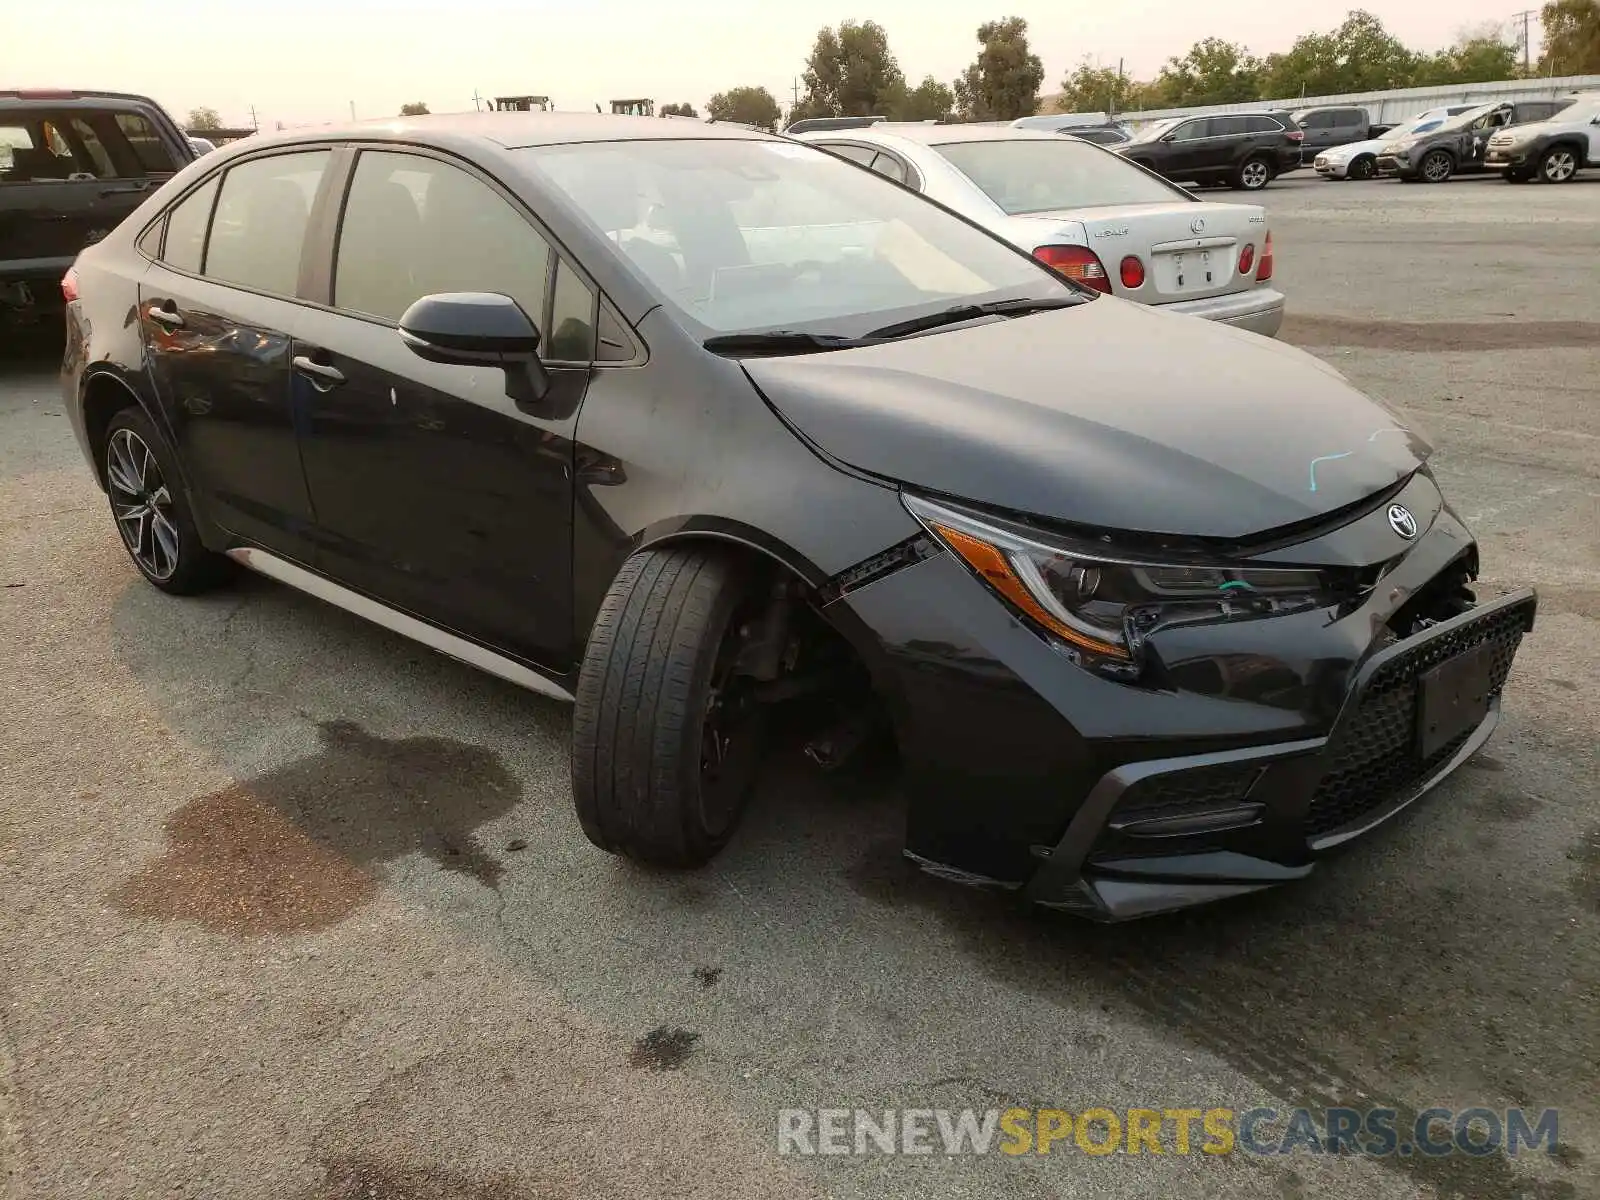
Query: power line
1524	17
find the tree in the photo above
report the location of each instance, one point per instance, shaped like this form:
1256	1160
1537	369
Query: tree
204	118
850	73
746	106
1571	38
1359	56
1003	84
678	110
1213	72
930	100
1092	88
1475	58
415	109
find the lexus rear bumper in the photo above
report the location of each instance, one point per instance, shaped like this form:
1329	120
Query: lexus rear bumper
1260	310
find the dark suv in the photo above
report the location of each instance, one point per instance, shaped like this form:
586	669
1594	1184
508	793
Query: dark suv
72	165
1245	150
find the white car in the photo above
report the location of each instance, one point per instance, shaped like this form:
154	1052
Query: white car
1359	160
1088	213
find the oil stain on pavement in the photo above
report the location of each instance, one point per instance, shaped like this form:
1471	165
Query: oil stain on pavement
663	1049
350	1178
293	849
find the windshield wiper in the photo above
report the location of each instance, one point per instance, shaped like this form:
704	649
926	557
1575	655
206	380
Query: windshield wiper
970	312
778	341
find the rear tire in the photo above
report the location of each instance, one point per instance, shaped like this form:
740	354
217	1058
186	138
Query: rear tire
151	509
666	740
1253	175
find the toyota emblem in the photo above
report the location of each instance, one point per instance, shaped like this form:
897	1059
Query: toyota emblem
1402	522
1198	225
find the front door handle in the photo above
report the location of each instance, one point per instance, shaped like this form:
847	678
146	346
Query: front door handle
320	373
166	316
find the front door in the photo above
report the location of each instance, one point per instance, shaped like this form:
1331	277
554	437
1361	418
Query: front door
219	316
1191	149
435	491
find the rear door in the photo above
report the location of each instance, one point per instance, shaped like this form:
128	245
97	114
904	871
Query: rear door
219	312
434	490
68	175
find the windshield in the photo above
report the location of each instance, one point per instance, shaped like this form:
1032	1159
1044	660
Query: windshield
1032	176
1151	132
746	235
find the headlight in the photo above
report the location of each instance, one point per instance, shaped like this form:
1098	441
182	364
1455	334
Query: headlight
1103	606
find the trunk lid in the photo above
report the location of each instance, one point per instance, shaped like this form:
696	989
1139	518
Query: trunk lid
1190	251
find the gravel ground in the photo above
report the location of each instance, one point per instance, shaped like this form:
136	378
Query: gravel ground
296	909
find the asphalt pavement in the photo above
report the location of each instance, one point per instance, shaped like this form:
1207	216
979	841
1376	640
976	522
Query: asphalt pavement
290	907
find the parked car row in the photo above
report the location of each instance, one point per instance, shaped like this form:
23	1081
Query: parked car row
679	422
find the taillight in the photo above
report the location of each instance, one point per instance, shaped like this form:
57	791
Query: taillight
1078	263
1247	259
1295	135
69	284
1132	272
1264	270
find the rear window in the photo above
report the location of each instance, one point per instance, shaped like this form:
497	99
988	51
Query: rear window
1040	176
80	144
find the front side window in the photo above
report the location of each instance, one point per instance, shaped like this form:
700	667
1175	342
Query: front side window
571	318
1035	175
414	226
260	225
186	229
1190	131
743	235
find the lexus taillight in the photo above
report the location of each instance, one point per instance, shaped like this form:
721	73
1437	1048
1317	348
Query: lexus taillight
69	285
1264	269
1078	263
1132	272
1247	259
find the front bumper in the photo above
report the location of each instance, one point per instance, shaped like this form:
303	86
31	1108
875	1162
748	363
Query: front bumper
1332	168
1262	745
1393	164
1509	158
1260	310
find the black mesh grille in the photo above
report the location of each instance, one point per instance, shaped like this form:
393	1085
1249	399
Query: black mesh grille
1373	750
1179	792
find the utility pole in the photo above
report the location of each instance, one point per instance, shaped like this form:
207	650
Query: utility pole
477	101
352	110
254	124
796	95
1524	17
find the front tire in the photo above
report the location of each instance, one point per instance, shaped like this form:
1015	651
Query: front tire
152	511
1436	166
667	740
1559	165
1362	168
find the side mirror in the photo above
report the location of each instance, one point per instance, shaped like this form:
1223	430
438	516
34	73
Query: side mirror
478	329
1169	137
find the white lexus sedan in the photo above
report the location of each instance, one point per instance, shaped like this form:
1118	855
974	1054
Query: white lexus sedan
1088	213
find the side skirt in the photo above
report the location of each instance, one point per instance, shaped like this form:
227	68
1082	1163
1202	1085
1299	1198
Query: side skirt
458	648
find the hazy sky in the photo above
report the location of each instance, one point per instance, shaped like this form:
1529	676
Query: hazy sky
308	60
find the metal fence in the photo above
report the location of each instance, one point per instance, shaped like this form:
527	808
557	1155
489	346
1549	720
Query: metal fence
1397	104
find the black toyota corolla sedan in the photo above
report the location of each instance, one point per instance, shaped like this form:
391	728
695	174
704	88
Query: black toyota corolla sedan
681	422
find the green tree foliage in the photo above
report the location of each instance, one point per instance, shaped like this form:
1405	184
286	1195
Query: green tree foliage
415	109
850	73
1571	38
1359	56
1092	88
930	100
1003	84
204	118
1477	58
746	106
678	110
1213	72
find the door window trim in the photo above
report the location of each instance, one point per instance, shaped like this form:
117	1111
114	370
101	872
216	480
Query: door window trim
322	235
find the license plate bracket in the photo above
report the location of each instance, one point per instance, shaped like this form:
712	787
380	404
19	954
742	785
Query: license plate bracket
1453	698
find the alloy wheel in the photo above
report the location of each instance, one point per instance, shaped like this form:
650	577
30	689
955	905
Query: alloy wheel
141	502
1361	169
1560	166
1254	175
1436	167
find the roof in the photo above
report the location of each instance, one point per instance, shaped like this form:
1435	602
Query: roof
936	135
514	130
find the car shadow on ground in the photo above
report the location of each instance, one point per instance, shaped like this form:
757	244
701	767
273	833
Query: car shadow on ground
1360	986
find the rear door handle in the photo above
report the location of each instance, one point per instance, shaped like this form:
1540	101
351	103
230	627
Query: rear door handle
319	373
166	316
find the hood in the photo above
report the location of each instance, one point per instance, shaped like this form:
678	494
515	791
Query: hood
1351	149
1111	414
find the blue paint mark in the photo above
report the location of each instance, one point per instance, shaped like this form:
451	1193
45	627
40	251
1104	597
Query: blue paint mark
1325	458
1234	583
